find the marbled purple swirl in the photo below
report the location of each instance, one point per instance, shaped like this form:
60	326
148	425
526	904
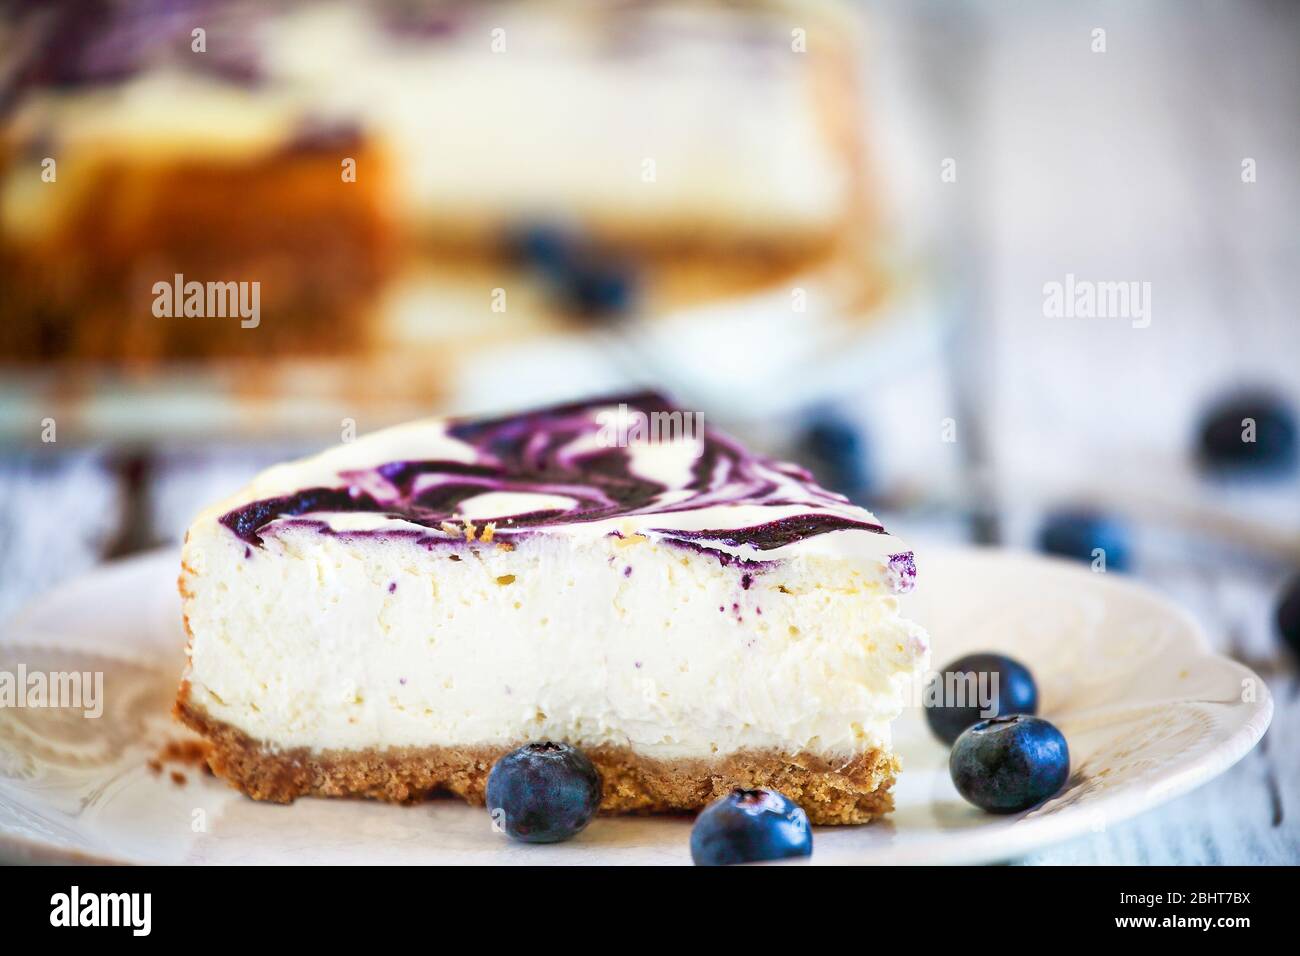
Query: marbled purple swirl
551	451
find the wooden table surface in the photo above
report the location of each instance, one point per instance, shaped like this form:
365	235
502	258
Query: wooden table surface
109	505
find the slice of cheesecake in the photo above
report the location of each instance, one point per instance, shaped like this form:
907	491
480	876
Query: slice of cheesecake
389	617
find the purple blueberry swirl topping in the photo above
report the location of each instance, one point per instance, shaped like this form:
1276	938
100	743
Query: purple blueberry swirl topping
567	466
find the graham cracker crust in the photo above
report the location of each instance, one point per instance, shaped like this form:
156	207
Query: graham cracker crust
856	792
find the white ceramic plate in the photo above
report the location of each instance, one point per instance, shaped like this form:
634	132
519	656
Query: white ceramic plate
1148	710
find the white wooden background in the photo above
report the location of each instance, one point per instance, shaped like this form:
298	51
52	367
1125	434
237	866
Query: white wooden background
1122	165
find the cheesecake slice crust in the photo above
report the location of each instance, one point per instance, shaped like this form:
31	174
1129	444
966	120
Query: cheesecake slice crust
856	792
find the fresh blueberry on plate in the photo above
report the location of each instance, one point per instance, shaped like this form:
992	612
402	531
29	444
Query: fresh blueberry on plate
749	826
1288	614
1081	534
543	793
1250	432
974	688
1009	764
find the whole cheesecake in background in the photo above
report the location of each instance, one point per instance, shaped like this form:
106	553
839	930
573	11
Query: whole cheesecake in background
388	618
717	145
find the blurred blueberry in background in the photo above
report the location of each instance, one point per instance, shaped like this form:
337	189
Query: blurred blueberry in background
547	248
581	278
1288	613
836	450
1223	445
1079	533
599	288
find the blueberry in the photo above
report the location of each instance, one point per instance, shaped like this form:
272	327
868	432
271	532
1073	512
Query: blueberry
543	793
975	687
579	277
837	449
748	826
549	249
1224	445
596	287
1078	534
1009	764
1288	614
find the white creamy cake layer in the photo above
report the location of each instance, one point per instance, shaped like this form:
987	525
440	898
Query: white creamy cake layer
336	642
540	576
